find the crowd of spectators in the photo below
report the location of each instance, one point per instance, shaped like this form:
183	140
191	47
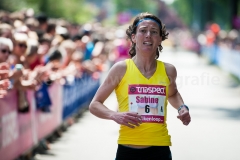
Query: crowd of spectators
37	50
213	34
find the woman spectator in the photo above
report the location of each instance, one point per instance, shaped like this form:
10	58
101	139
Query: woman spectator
20	46
6	47
6	30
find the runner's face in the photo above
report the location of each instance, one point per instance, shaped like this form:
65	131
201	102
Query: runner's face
147	37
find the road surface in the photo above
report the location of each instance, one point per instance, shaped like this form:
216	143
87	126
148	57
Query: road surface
214	133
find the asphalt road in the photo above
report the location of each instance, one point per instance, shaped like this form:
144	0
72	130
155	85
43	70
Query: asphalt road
214	133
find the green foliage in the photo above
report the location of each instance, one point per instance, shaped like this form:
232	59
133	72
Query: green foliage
76	11
86	14
16	5
184	9
201	12
136	6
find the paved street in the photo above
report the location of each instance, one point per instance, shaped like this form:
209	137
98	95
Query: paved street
214	133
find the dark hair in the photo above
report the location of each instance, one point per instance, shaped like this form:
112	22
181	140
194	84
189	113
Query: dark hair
55	55
132	29
42	18
77	37
51	27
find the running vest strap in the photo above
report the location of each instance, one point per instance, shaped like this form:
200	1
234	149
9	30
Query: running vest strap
148	97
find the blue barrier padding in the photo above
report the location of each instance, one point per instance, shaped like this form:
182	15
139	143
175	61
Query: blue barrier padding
228	60
78	94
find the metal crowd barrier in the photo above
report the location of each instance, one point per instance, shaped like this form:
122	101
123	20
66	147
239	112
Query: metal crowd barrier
228	60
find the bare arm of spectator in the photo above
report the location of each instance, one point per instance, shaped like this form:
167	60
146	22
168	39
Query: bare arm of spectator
15	74
3	93
4	84
27	81
89	67
97	49
4	70
26	85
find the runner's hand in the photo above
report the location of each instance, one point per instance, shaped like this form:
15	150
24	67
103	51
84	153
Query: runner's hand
184	116
130	119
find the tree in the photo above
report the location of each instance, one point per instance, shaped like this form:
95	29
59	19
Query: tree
200	12
73	10
135	7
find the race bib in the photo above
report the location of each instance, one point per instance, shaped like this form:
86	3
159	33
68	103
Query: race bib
148	101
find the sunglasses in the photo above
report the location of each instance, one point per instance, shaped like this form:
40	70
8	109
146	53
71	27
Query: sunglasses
22	45
5	51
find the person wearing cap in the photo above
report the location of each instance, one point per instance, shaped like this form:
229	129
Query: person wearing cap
142	83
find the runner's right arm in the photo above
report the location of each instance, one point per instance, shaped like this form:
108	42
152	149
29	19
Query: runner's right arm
100	110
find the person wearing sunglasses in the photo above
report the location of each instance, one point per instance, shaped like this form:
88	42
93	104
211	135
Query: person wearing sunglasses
5	50
20	47
6	46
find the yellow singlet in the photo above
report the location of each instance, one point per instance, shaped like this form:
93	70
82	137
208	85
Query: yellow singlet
148	97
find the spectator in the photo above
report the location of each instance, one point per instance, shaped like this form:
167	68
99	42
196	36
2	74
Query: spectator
6	30
20	47
68	48
32	58
4	83
6	47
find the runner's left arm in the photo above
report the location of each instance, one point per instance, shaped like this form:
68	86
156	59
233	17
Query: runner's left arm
174	97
